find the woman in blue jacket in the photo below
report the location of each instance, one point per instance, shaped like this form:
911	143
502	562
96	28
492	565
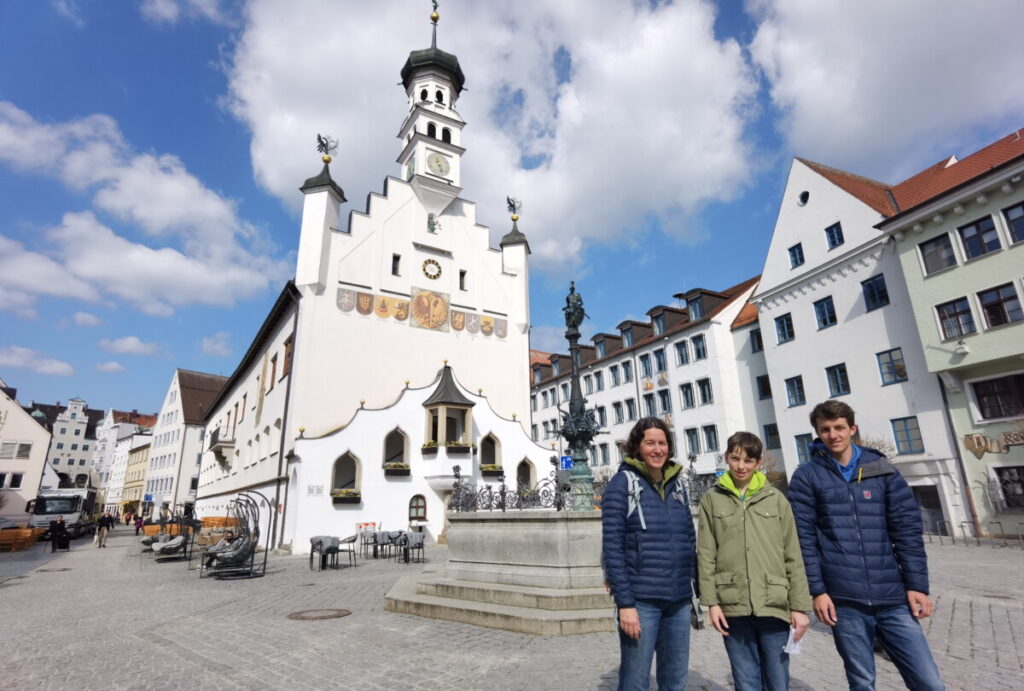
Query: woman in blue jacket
650	559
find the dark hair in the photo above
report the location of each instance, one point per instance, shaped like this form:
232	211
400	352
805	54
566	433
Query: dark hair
636	435
831	410
748	442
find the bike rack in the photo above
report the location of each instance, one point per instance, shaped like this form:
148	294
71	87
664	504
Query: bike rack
1001	532
949	530
963	530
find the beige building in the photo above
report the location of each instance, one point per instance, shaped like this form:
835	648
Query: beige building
135	474
23	445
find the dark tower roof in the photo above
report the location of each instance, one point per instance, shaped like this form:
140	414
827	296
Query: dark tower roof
447	392
514	237
324	180
436	58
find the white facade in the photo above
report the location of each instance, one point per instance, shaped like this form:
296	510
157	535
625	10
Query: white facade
118	465
23	446
837	322
681	366
114	426
378	304
72	449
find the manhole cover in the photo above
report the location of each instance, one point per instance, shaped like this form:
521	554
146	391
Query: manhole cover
53	570
318	614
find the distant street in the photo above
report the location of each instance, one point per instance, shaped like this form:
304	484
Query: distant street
116	619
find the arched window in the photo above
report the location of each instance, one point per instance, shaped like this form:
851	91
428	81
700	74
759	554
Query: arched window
490	450
439	96
524	475
81	480
395	447
346	473
446	135
417	508
432	130
423	95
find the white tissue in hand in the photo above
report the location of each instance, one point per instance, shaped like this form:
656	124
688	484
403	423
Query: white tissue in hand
793	647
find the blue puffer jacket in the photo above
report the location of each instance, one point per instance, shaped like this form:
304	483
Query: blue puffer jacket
656	563
861	540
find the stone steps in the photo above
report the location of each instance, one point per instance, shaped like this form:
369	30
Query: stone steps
540	611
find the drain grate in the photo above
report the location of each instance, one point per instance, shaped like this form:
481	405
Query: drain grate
53	570
318	614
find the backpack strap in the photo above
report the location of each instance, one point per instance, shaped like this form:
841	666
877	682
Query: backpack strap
634	488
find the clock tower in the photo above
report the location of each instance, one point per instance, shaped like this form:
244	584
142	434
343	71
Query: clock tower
430	159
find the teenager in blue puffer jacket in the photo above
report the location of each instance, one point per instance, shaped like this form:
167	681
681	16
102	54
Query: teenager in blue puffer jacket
860	535
650	558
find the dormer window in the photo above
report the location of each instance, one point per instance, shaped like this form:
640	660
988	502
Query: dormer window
627	337
696	308
439	96
555	368
432	130
659	324
599	346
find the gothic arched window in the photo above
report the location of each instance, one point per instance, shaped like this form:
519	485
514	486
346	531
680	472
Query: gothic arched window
432	130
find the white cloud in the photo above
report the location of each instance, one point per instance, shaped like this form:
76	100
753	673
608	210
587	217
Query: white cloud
217	344
110	366
35	361
198	234
880	87
69	10
170	11
86	319
551	339
650	124
129	345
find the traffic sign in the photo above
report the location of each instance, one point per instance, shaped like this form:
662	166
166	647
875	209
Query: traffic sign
565	463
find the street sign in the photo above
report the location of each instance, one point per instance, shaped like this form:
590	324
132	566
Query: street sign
148	497
565	463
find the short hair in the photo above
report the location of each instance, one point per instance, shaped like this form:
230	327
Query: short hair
636	435
748	442
831	410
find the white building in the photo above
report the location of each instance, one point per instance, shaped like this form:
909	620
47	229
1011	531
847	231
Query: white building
74	438
837	322
24	440
686	365
379	304
178	439
115	424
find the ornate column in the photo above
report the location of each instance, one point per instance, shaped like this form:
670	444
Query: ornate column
578	424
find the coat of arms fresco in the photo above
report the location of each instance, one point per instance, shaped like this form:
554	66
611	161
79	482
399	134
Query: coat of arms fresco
429	309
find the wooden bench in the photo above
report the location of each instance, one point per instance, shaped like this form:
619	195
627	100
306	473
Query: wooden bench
17	539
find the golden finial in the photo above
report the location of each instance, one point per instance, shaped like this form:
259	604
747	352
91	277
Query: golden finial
513	416
326	158
514	206
434	16
446	361
362	402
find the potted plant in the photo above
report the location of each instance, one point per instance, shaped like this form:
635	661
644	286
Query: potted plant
396	469
491	470
457	447
429	448
346	496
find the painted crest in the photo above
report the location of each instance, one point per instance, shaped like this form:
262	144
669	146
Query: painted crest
429	309
487	325
473	323
867	494
346	299
501	328
458	320
364	303
383	308
400	309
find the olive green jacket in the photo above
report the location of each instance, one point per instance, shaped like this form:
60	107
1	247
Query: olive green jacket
748	554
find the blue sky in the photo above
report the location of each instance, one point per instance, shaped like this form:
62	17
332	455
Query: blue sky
150	152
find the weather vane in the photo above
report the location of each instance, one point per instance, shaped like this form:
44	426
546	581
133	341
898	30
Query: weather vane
326	145
434	16
514	207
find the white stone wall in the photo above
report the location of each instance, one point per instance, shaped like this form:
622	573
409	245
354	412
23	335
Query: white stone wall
17	428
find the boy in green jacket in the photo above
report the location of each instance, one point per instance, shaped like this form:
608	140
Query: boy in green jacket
750	569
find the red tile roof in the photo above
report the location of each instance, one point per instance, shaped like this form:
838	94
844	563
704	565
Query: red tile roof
539	356
747	315
937	179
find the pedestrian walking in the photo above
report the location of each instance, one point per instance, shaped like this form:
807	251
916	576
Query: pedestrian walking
58	534
860	534
750	570
649	559
138	525
103	528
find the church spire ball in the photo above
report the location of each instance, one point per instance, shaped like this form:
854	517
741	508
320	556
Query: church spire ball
434	58
435	15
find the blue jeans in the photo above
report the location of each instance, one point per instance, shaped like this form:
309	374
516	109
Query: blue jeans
754	646
898	632
665	629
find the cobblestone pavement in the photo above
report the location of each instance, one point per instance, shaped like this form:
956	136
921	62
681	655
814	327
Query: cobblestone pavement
117	619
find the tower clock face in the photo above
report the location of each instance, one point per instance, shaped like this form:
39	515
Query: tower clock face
438	164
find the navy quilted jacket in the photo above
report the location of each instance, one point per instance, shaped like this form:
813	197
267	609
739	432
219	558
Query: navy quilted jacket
656	563
861	540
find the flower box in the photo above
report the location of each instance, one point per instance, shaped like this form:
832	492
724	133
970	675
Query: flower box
458	448
397	472
346	499
492	472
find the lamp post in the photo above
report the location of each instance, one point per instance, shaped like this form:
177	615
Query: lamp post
578	424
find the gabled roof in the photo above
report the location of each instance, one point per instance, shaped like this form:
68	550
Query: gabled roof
198	392
872	192
447	392
747	315
52	412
